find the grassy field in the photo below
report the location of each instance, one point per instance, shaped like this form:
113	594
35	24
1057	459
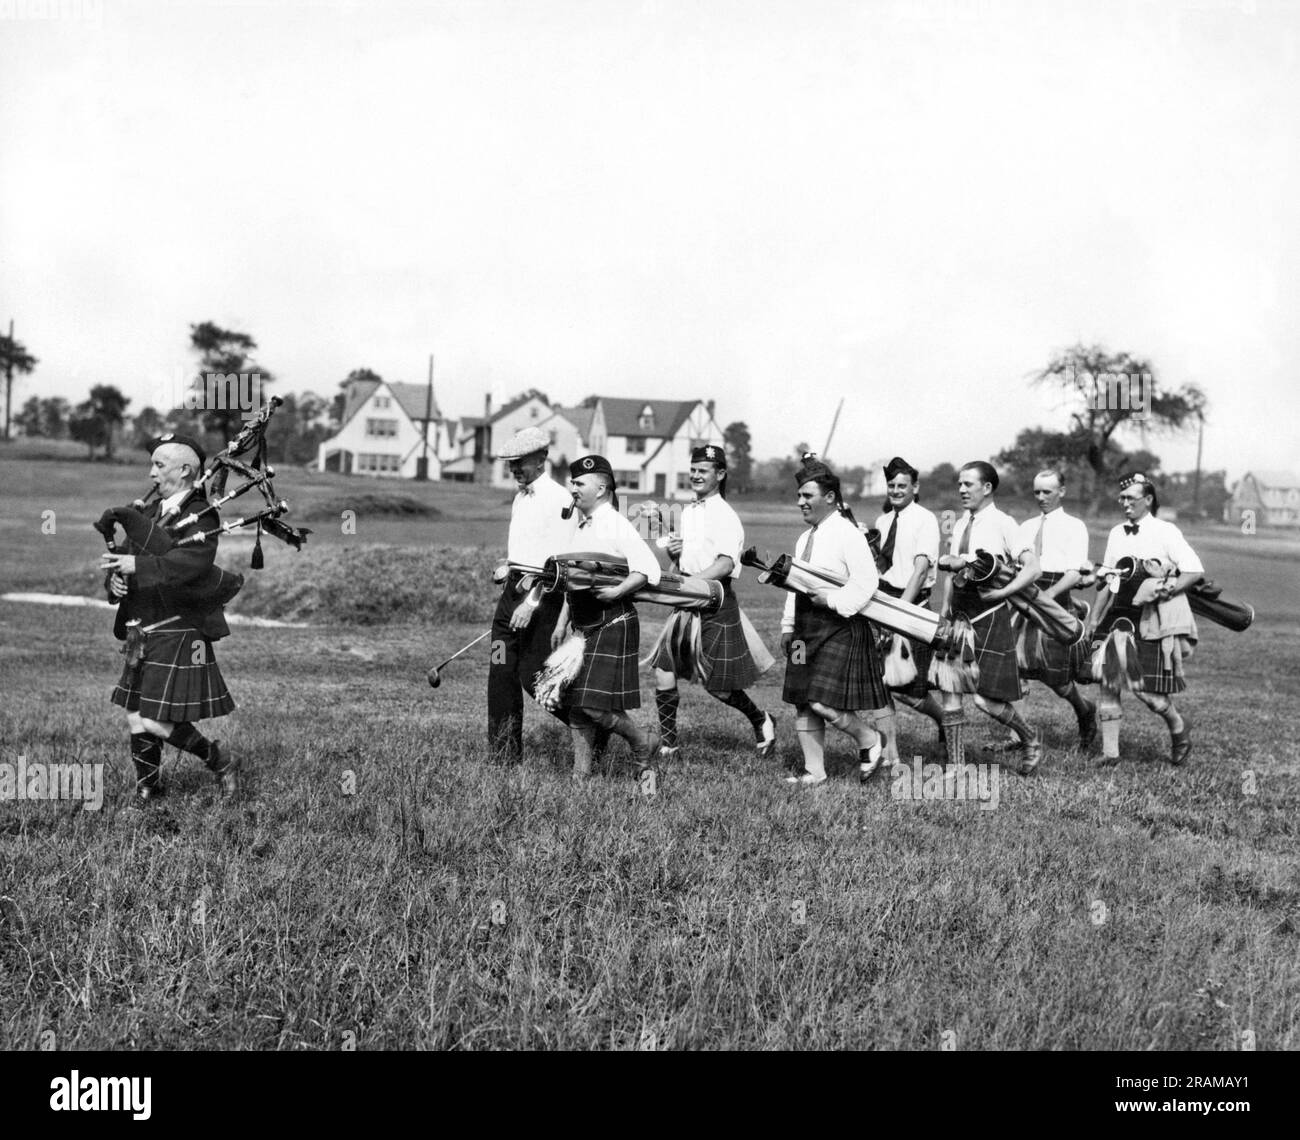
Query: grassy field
380	883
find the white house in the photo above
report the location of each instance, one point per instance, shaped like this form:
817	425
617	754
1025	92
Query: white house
382	432
648	442
470	444
1271	497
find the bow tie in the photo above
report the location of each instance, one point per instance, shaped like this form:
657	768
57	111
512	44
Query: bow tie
696	503
527	490
1130	528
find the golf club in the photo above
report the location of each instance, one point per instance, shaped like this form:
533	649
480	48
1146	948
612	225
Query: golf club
433	676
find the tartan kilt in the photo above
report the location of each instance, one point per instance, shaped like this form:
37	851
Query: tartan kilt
609	679
1156	678
841	666
922	654
167	685
995	646
725	663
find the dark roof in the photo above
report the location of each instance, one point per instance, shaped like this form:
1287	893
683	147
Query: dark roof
412	398
623	416
580	418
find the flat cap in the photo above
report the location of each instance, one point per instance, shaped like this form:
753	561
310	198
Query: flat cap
524	442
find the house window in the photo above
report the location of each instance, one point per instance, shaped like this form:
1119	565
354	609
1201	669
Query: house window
635	445
628	480
376	428
376	464
533	411
647	417
382	402
684	481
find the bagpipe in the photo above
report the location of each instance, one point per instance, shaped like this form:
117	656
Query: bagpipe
594	571
144	535
1205	598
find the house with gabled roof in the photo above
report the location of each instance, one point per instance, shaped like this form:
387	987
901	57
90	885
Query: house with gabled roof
648	442
382	431
471	443
1268	498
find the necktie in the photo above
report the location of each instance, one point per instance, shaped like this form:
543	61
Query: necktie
807	546
1038	538
527	490
1130	528
963	547
887	551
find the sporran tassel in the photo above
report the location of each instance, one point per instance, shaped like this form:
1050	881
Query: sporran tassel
957	672
559	671
257	560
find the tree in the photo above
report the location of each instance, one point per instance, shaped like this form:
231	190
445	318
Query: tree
340	402
223	352
14	357
1105	392
54	417
149	425
741	460
28	418
96	421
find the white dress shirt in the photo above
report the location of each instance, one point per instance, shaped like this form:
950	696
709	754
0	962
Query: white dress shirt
918	533
1155	539
840	548
993	530
710	527
1065	541
537	529
608	532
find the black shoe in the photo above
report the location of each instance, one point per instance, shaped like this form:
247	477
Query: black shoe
1180	745
225	767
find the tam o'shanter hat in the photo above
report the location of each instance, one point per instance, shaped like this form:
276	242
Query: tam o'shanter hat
900	466
185	441
525	441
595	465
811	467
1137	477
710	453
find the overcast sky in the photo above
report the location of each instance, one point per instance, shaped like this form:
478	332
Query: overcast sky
770	204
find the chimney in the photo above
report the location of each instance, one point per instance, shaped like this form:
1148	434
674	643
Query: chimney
487	407
708	407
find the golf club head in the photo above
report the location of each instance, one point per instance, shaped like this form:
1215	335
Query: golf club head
434	678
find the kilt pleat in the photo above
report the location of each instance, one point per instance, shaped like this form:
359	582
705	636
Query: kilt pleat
995	646
1156	676
841	667
168	685
608	680
725	663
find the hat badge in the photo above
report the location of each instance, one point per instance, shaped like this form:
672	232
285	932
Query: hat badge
588	464
169	436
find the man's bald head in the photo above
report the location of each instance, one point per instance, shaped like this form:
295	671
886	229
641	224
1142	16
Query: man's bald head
173	467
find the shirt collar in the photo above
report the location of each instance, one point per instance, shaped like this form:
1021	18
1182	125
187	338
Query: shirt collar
172	503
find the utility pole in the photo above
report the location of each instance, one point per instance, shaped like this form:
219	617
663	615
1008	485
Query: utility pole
1196	480
826	451
9	376
422	466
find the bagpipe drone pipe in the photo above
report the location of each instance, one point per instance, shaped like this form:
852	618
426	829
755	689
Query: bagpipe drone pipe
1205	598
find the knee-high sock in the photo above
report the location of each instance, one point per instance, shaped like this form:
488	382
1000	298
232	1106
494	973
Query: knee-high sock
739	700
954	727
1081	705
887	727
1110	714
1006	713
189	739
146	757
812	742
584	735
666	702
926	705
1163	707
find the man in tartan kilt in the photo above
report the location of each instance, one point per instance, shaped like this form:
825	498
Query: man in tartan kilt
1152	616
985	527
171	678
906	561
1060	542
832	665
709	546
608	684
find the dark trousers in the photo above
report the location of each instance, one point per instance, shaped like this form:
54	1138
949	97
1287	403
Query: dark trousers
514	659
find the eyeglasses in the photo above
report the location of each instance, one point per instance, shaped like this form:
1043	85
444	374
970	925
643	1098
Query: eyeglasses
1129	499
